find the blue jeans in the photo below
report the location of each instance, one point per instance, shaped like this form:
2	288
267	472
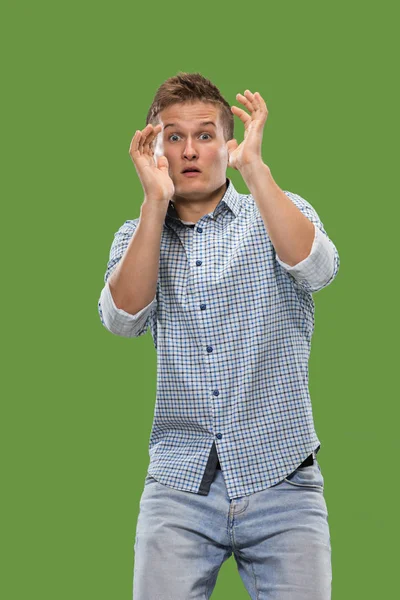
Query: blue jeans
279	538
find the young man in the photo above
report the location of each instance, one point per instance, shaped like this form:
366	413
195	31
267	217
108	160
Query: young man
224	281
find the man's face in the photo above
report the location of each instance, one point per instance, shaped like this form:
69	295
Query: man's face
192	137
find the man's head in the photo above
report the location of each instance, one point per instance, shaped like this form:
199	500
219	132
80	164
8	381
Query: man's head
196	124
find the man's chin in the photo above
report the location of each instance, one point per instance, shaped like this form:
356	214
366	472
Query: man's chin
191	185
194	195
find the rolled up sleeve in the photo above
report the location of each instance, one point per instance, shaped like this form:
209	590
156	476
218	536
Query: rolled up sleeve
117	320
321	266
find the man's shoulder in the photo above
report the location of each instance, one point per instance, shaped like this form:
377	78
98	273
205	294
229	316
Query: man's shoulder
297	199
128	226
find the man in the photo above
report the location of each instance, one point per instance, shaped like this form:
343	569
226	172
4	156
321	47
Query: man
224	281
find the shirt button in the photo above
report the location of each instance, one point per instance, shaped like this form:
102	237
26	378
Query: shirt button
216	393
202	307
219	435
199	229
198	262
209	349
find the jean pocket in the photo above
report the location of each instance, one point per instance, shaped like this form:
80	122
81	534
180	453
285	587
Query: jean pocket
307	477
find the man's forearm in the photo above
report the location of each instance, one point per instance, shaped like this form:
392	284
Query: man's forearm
133	284
291	233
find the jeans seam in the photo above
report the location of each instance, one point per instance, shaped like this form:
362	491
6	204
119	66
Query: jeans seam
255	580
250	562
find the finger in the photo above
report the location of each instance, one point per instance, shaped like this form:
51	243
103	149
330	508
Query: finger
245	101
242	114
260	111
253	100
147	146
144	134
261	100
134	147
250	99
156	132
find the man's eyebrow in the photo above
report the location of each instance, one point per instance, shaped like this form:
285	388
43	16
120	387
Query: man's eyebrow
202	123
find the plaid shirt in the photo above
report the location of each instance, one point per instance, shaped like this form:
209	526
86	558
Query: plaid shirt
232	327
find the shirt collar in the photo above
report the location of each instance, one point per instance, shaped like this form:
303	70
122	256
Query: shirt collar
230	199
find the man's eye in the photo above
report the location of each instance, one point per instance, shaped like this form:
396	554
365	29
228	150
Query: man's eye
174	135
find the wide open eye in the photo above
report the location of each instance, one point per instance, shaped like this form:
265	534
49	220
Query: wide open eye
177	136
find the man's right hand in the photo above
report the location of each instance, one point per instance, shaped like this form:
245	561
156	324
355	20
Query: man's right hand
156	182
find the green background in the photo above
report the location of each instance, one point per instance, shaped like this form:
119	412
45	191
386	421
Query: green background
77	402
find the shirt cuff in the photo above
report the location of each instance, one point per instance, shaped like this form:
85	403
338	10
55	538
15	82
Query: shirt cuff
117	320
317	268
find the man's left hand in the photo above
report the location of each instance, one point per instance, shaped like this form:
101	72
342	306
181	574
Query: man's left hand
249	151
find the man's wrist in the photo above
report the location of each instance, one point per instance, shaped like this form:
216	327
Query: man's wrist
154	209
253	168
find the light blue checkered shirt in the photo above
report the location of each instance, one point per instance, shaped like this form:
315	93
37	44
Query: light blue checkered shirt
232	327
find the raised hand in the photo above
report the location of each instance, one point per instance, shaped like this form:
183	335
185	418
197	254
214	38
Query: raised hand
153	174
249	151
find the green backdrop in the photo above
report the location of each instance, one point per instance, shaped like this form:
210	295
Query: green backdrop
77	402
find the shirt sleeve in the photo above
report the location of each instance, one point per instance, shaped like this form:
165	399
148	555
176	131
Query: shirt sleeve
321	266
117	320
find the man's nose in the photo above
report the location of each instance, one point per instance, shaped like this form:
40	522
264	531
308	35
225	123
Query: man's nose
189	149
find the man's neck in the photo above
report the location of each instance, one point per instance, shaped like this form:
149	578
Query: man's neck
192	210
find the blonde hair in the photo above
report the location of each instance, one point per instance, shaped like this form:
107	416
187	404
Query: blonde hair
191	87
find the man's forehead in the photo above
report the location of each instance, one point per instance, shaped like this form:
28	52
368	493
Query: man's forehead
189	113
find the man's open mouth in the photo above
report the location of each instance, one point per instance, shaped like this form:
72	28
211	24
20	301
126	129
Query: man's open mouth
191	170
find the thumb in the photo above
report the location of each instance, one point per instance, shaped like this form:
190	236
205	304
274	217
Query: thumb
162	164
232	145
